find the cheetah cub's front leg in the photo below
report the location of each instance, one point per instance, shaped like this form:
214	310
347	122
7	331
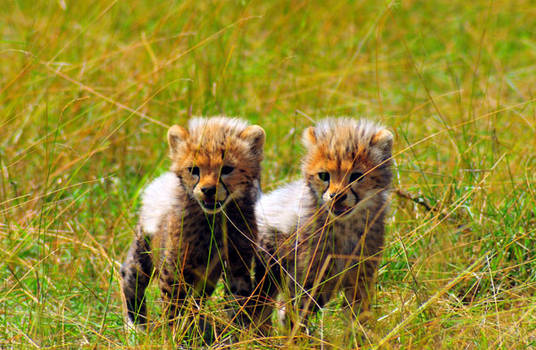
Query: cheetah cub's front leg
136	273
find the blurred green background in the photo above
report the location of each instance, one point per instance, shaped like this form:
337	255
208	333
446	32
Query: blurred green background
88	89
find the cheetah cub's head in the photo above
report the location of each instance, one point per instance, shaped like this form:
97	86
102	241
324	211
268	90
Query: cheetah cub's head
348	164
217	159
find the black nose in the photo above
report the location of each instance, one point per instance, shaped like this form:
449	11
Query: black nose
340	197
209	191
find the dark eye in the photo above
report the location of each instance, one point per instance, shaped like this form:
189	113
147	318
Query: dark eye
324	176
356	176
226	169
194	170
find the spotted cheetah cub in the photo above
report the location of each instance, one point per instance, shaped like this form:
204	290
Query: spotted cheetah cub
325	232
198	220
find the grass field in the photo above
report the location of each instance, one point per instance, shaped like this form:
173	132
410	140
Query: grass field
88	89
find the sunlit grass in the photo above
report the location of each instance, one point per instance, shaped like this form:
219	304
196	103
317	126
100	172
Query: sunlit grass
87	90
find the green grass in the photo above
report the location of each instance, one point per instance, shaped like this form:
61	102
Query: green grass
88	88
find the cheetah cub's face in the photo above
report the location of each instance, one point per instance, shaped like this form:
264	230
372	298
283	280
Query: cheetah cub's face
347	164
217	159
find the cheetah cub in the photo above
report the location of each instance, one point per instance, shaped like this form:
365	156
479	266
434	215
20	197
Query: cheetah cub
198	221
325	232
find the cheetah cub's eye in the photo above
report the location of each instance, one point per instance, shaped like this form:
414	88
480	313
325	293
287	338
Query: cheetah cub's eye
324	176
226	169
194	170
356	176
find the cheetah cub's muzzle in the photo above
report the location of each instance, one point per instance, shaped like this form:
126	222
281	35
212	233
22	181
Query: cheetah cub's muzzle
211	191
341	195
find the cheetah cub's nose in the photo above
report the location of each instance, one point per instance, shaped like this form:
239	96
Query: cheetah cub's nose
338	197
209	191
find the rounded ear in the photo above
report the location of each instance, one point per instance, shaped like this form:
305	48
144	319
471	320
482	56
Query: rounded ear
383	140
309	137
176	136
255	136
383	137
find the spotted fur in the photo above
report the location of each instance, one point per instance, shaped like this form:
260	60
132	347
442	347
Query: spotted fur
197	221
325	233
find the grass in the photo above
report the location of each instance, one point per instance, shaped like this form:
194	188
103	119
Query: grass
87	90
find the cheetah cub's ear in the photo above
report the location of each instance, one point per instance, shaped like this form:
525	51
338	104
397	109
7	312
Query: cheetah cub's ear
383	141
255	136
177	135
309	137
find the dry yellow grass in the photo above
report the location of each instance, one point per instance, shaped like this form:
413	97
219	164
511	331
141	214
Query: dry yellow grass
88	88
